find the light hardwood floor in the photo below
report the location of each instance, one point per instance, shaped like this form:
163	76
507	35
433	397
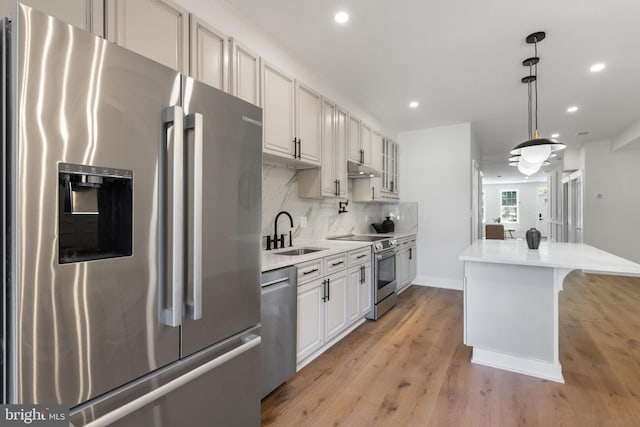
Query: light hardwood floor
410	368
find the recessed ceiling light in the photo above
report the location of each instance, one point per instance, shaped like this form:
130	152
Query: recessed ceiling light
555	135
414	104
597	67
572	109
341	17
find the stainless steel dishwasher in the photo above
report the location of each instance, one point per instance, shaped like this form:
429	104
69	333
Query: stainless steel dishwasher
279	317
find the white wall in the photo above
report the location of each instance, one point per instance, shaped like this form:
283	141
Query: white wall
528	200
612	200
436	172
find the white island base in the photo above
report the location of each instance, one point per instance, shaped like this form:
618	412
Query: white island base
511	301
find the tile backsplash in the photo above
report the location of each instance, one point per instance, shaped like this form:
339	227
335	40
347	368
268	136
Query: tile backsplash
280	193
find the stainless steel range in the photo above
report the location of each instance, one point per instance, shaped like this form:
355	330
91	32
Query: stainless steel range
384	272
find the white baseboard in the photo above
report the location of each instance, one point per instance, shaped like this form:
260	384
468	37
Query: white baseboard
520	365
439	282
301	364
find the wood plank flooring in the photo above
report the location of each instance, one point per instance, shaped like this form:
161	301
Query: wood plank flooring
410	368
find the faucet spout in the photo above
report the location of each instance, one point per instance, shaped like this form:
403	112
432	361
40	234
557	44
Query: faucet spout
275	229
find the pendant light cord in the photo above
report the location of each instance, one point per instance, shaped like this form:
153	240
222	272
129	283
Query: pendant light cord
535	45
530	105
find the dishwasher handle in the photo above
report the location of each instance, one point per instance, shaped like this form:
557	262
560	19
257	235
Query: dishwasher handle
283	282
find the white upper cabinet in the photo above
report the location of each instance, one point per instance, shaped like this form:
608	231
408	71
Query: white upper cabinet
244	72
208	54
291	119
156	29
330	180
308	124
368	190
364	145
340	151
278	125
375	150
354	145
85	14
390	174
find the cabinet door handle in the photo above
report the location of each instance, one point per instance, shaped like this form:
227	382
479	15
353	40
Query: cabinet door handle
324	290
328	289
339	188
410	253
295	148
337	263
299	148
362	270
361	156
391	186
309	271
373	193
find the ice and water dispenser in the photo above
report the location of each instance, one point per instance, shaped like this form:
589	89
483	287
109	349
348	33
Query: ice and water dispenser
95	212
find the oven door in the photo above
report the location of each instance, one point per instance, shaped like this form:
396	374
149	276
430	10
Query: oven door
385	274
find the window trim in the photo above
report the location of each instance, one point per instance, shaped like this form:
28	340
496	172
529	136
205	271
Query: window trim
516	206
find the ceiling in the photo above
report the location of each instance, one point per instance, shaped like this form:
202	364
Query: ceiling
462	60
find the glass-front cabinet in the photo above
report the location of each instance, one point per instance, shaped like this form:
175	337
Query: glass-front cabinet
390	170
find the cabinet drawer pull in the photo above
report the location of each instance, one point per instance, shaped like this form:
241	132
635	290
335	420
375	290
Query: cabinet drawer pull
309	271
361	256
337	263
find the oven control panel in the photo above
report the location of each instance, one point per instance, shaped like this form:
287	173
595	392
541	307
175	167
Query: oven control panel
384	245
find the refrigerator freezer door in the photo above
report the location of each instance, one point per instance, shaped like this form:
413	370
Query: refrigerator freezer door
216	387
231	216
83	328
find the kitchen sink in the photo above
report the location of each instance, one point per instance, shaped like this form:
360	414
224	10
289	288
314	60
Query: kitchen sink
300	251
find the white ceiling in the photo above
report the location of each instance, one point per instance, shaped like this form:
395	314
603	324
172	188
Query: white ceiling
461	59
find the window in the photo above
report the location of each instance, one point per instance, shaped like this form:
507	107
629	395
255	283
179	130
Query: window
509	205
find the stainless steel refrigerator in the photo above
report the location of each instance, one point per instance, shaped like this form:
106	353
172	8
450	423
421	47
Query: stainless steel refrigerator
131	204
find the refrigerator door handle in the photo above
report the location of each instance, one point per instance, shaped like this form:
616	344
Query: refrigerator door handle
250	341
193	308
173	119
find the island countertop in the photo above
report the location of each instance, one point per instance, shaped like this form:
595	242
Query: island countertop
574	256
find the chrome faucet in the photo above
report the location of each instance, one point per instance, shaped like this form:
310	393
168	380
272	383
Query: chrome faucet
279	239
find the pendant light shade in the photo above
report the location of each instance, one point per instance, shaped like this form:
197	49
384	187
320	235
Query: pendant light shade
533	152
528	168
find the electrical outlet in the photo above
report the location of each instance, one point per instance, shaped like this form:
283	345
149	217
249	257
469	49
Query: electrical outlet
303	222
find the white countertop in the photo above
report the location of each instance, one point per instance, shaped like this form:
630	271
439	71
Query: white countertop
272	261
575	256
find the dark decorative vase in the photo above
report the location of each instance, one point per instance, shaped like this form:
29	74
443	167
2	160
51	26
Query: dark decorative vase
533	238
387	225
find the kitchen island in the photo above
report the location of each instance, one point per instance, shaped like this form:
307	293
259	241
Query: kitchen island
511	300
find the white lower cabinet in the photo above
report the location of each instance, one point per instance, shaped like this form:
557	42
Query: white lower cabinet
412	262
402	268
311	311
336	304
359	291
329	305
405	262
322	312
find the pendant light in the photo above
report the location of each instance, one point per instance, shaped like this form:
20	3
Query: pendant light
535	150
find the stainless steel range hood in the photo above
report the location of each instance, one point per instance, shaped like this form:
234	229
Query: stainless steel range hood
357	170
